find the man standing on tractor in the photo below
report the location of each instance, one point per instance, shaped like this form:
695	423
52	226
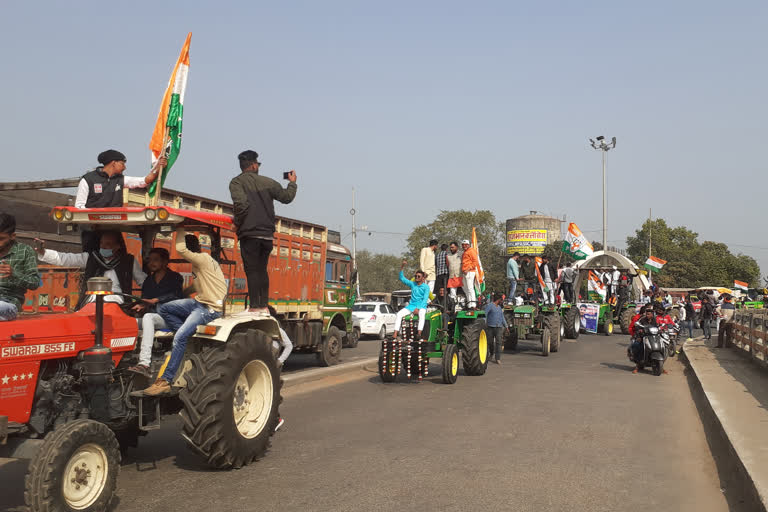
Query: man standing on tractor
161	286
111	260
184	315
454	269
513	274
441	268
547	274
528	270
18	269
103	188
566	279
253	198
427	263
497	326
419	299
469	264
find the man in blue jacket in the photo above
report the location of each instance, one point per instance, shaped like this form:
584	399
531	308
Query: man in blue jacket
419	298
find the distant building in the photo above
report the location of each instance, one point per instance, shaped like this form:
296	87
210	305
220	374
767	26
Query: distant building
530	234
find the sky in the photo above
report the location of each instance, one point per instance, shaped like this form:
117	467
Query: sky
421	106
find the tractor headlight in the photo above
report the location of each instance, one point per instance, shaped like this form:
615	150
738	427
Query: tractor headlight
162	214
150	214
527	315
68	215
58	214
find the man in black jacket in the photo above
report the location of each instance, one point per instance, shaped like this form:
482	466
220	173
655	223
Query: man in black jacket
253	196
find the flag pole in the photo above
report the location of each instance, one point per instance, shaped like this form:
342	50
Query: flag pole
159	179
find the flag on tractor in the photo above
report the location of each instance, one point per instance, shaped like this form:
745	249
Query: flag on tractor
479	274
654	264
576	244
543	285
595	285
166	138
741	285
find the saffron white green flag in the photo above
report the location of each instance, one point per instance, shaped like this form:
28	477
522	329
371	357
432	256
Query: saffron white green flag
741	285
654	264
596	286
576	244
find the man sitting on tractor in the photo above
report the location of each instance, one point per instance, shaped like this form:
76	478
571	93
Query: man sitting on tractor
184	315
161	286
419	299
111	261
18	269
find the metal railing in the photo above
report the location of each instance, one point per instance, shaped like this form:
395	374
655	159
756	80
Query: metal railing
748	331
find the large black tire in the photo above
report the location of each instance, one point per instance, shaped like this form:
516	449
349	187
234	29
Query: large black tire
330	350
68	472
353	338
475	354
555	329
384	369
572	323
625	320
658	367
227	379
510	342
546	341
450	363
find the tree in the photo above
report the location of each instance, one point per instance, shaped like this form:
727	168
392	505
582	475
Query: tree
690	264
554	251
455	226
378	272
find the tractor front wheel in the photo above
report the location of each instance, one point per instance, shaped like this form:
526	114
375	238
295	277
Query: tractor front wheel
608	327
546	339
75	469
475	355
450	363
625	319
555	329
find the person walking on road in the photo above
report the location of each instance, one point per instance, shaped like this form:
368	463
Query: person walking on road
253	198
441	268
469	264
690	316
513	274
707	314
727	310
566	281
427	263
454	269
497	325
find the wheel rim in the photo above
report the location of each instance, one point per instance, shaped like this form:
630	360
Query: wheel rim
252	400
85	476
562	330
577	324
610	328
482	345
454	364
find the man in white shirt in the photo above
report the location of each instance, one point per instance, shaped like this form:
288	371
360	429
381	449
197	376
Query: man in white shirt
111	261
427	263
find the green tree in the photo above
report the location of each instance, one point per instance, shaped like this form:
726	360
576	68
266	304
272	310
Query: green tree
378	272
456	225
690	264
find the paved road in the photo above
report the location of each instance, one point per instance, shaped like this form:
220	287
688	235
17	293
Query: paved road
367	347
575	431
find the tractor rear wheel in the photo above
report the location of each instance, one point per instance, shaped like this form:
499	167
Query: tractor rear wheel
75	469
330	350
626	319
450	363
231	400
556	328
475	355
572	323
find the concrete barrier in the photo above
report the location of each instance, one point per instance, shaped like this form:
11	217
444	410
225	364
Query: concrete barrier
748	332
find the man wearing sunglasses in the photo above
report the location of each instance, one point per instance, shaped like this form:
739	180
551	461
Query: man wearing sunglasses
419	299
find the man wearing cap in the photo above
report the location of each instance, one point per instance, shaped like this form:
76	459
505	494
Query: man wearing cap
253	198
103	188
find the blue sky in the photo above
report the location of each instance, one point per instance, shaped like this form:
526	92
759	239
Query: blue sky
421	106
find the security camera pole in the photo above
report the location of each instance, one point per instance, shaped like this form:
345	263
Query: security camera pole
600	144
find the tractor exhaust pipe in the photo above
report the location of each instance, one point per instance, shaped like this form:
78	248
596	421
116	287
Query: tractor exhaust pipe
96	361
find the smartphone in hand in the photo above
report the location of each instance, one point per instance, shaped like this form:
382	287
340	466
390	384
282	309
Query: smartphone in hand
286	175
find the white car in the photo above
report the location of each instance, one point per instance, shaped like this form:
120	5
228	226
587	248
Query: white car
376	318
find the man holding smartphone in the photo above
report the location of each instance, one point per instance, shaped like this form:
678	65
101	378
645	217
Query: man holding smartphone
18	269
253	197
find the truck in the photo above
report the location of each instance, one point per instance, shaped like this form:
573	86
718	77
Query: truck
311	276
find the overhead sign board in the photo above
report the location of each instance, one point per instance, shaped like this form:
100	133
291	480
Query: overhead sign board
526	241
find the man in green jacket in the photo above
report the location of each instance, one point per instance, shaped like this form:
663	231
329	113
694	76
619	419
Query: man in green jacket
253	197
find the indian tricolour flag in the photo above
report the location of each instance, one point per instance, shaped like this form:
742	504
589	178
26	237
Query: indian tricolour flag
741	285
654	264
596	285
542	283
479	273
576	244
166	138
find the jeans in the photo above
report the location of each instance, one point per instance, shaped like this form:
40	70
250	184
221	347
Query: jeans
567	291
8	311
689	325
637	351
512	289
183	316
255	253
149	322
496	339
706	326
441	282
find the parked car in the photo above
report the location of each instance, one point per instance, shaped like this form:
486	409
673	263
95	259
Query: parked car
376	318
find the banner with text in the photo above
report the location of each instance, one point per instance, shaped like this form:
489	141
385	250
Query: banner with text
526	241
589	314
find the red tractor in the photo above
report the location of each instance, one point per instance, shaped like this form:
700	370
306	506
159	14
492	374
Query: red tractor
68	403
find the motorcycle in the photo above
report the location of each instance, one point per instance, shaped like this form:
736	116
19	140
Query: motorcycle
671	337
655	348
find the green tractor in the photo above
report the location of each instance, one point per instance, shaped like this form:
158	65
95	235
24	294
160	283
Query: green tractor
536	320
463	336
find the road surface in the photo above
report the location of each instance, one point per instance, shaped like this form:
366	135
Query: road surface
574	431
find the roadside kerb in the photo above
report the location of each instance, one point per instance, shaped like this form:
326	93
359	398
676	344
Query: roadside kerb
735	453
301	377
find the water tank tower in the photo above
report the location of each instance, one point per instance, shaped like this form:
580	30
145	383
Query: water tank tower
529	234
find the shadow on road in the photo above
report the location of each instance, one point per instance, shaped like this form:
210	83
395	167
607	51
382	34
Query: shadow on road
615	366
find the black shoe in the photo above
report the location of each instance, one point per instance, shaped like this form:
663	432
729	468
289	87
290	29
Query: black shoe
141	369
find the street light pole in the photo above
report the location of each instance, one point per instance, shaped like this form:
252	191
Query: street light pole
600	144
354	242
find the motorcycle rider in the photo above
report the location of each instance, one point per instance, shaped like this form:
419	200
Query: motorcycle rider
648	319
